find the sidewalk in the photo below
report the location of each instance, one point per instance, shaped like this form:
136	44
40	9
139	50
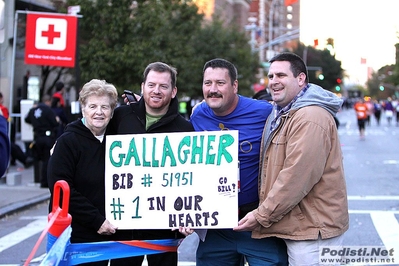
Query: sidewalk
14	195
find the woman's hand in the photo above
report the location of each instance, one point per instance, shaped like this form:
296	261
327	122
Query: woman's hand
107	228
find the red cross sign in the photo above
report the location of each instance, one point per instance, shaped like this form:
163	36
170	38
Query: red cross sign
50	40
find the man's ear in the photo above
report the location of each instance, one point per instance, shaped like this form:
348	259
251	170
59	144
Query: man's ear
235	86
301	79
174	92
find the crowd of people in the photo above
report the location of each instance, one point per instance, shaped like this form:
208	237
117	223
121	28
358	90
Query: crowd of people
48	119
292	197
366	108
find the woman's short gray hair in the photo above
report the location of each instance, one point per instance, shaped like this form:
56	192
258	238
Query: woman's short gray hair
99	88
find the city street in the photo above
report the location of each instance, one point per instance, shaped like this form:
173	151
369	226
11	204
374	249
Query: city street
372	175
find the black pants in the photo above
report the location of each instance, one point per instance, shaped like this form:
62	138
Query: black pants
17	154
41	155
165	259
246	208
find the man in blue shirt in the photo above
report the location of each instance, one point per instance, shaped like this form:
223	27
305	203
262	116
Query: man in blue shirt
225	109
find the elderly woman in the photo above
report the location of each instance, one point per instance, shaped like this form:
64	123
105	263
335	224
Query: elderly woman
79	159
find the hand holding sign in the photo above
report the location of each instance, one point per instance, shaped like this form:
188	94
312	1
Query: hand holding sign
159	181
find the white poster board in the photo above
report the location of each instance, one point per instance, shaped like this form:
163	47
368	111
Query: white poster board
167	180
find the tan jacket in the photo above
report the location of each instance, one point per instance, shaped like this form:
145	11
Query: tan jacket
302	186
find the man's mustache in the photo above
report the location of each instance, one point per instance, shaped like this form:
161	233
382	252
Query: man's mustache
214	94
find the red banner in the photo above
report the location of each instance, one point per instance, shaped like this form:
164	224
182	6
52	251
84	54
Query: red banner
50	40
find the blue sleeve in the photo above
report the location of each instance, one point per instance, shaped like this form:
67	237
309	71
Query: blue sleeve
5	146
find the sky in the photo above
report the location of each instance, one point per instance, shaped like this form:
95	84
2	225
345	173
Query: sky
360	29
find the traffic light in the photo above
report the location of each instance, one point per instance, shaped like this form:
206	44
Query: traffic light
319	75
382	88
338	87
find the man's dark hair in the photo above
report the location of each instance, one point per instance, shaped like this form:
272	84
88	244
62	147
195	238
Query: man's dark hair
59	85
161	67
297	64
222	63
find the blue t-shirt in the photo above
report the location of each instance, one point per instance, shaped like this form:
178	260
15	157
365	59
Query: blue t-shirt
248	118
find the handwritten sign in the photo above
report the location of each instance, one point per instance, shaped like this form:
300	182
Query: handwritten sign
167	180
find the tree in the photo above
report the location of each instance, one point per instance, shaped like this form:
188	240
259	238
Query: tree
383	82
373	86
118	38
331	67
45	73
230	44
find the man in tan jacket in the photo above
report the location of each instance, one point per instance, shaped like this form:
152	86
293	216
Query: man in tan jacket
302	189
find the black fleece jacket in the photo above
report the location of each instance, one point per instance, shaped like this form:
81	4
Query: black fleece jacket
79	159
131	119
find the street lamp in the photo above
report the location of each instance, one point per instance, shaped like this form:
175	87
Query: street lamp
252	27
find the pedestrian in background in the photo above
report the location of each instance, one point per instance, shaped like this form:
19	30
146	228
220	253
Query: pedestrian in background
4	145
44	123
156	112
225	109
388	110
377	111
370	110
60	113
362	116
79	159
397	114
59	93
303	197
3	108
17	154
16	151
